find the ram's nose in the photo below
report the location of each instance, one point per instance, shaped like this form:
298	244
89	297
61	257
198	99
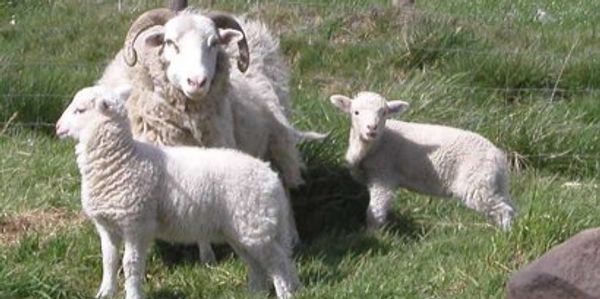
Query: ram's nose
196	82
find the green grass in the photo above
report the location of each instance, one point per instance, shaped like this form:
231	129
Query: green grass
486	66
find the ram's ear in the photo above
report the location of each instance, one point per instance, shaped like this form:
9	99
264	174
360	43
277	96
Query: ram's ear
396	108
155	39
342	102
227	36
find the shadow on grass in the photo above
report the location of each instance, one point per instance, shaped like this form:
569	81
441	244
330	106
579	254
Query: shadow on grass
330	206
166	294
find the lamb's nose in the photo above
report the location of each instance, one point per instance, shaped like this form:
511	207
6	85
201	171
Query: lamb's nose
196	82
372	127
59	130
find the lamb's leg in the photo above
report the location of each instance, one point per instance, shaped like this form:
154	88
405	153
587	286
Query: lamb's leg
134	259
497	206
258	281
207	256
290	230
502	212
110	262
276	260
379	205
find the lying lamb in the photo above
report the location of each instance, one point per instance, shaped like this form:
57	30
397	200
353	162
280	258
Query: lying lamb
135	192
425	158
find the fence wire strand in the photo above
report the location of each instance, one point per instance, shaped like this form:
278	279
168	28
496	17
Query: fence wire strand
315	30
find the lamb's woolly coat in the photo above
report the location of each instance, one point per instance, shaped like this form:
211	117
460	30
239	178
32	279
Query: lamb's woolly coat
137	192
429	159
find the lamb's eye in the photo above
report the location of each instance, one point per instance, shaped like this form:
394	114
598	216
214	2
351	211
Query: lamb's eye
356	112
79	111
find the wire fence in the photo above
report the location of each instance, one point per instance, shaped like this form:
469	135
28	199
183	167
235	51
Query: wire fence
468	21
517	159
314	29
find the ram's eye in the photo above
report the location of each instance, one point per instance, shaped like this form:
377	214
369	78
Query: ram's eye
356	112
213	41
79	110
171	43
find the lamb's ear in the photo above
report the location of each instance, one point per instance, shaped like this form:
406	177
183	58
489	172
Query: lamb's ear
342	102
396	107
123	92
105	106
227	36
155	39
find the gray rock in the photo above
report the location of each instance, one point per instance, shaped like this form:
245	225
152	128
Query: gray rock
570	270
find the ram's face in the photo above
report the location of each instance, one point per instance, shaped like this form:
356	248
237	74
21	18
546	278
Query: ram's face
190	48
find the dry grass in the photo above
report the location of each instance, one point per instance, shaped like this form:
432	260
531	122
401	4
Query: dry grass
45	223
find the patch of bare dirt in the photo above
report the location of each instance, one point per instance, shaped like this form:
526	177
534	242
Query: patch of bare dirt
13	227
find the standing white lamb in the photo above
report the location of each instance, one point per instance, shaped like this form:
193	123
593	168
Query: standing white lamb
135	192
430	159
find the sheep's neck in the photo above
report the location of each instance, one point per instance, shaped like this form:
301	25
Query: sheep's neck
357	149
108	145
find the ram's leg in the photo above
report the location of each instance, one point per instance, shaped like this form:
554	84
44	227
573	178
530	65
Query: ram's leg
286	159
110	262
379	205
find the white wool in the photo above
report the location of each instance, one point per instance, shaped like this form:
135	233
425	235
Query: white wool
429	159
247	111
137	192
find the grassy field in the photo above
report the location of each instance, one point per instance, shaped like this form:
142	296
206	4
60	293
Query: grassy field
528	84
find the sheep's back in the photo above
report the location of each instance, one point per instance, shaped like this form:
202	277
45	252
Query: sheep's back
218	190
430	158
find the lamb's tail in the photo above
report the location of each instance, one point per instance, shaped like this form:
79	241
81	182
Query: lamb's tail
298	135
309	135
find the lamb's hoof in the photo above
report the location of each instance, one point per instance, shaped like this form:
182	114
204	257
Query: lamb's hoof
207	257
106	292
504	224
375	223
294	183
373	227
504	218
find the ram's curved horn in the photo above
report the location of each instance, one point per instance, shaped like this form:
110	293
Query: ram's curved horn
177	5
148	19
224	20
